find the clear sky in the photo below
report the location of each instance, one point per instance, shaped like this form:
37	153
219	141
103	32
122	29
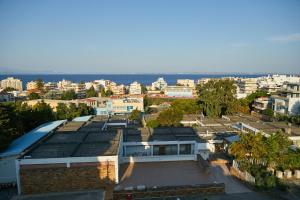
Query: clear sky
150	36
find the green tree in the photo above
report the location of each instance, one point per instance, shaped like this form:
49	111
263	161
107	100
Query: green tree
170	117
153	123
83	109
144	89
91	92
187	106
33	96
135	115
42	112
68	95
217	97
108	93
250	150
40	84
269	112
8	131
62	111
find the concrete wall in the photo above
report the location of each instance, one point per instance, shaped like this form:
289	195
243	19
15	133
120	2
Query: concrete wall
159	158
59	177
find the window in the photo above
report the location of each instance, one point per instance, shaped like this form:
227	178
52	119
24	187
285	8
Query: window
185	149
159	150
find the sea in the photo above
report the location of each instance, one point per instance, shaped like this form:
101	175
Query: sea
145	79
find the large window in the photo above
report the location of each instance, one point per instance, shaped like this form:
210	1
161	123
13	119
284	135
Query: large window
186	149
159	150
139	150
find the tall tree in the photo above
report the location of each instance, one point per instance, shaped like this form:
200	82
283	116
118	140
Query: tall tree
91	92
217	97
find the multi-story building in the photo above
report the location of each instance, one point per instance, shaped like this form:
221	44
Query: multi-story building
50	86
160	84
288	100
62	85
186	82
178	91
11	82
261	103
247	85
95	85
32	85
135	88
116	89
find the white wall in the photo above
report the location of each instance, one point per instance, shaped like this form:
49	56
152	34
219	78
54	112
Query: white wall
159	158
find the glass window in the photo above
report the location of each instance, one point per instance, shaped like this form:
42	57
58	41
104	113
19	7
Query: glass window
159	150
185	149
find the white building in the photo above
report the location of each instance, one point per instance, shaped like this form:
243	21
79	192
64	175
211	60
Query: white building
32	85
245	87
62	85
11	82
178	91
160	84
135	88
186	82
261	103
288	101
50	86
95	85
274	83
116	89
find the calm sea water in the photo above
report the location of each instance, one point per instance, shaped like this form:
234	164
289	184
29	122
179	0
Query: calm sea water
126	79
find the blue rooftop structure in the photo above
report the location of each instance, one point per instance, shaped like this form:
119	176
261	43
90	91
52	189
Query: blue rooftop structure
82	119
28	139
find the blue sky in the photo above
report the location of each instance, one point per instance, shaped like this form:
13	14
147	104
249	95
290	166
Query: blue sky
154	36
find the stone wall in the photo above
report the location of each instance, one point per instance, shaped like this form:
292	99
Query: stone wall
59	178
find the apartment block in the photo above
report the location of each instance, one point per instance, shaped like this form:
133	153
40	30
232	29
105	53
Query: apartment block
186	82
11	82
135	88
160	84
288	100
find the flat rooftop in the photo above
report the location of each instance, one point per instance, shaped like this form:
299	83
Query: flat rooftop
78	139
161	134
177	173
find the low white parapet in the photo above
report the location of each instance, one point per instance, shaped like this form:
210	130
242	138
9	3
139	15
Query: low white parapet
297	174
279	174
287	173
159	158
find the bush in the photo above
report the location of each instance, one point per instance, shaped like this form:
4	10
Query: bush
152	123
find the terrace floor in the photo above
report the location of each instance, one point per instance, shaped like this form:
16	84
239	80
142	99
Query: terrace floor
177	173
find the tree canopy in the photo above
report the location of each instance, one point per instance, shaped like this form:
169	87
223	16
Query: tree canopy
91	92
68	95
33	96
170	117
217	97
135	115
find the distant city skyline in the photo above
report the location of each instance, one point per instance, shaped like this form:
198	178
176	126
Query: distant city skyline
128	37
